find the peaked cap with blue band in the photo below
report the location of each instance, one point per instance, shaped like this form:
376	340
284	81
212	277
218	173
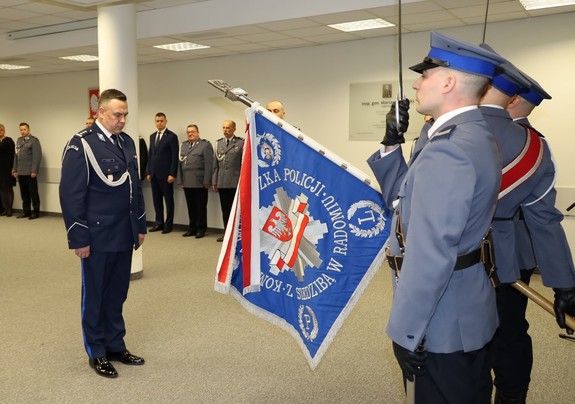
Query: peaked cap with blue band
508	79
458	55
535	94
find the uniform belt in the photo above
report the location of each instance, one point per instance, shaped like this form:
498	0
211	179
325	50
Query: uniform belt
462	262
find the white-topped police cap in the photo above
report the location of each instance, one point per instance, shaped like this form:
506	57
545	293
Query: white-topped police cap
535	94
454	54
508	79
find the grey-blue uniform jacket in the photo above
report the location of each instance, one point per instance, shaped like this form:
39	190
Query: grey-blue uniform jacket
107	218
228	162
539	239
28	155
195	166
446	202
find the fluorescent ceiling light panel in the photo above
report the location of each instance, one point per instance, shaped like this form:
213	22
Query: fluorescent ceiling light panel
181	46
362	25
12	67
80	58
537	4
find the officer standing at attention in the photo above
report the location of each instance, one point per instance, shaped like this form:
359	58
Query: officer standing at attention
527	233
161	170
195	177
26	166
443	313
103	210
227	166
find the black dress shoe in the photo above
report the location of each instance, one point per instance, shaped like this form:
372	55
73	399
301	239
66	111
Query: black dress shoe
3	213
189	234
33	216
200	234
157	228
220	239
103	367
125	357
22	215
166	231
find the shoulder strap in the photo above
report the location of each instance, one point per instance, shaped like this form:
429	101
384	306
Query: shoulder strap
524	165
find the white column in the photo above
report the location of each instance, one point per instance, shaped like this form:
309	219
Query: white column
118	68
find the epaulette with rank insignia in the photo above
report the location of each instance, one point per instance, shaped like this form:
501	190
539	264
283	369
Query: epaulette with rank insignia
446	131
84	132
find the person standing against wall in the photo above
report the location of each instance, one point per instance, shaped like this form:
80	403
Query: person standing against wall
227	165
26	166
103	209
161	172
7	181
195	178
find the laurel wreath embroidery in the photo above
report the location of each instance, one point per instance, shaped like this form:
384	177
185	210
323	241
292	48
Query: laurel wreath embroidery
374	231
309	336
277	152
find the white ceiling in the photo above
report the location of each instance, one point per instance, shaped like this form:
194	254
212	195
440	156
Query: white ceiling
228	27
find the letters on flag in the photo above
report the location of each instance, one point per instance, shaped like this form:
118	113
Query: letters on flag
305	237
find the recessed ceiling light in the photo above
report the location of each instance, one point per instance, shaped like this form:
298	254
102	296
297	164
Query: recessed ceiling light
537	4
362	25
12	67
80	58
181	46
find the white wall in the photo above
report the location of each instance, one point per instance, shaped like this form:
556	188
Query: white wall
312	82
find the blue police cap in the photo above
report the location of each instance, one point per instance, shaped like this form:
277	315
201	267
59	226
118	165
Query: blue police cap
458	55
508	79
535	94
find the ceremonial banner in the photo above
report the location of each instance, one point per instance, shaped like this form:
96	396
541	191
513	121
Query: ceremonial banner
305	237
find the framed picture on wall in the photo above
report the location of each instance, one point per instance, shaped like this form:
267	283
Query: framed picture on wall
93	99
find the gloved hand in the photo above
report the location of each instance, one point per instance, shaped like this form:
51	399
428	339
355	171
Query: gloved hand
411	363
393	131
564	304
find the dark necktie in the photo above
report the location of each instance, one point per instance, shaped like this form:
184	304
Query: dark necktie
115	140
158	136
227	142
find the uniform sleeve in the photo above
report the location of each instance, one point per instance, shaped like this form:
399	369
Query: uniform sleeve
174	150
36	156
550	245
389	172
215	167
73	193
208	163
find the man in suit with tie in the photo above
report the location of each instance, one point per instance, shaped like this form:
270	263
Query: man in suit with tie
227	165
103	210
161	172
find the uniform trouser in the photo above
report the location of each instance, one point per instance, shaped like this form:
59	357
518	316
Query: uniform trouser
105	282
29	193
163	191
455	378
512	347
197	201
226	202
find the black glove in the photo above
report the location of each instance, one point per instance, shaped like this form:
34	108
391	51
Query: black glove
564	304
394	131
411	363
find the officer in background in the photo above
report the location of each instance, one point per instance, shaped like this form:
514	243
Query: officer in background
527	232
195	177
26	167
276	108
227	166
103	210
443	313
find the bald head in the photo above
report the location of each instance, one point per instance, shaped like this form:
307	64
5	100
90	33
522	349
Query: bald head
276	108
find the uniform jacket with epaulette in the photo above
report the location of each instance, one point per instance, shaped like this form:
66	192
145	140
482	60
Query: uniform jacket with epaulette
106	216
228	162
446	201
196	162
28	155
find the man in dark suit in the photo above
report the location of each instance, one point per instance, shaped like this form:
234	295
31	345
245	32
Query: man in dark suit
103	210
161	172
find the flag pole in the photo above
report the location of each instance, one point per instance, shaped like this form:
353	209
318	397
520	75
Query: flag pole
400	62
541	301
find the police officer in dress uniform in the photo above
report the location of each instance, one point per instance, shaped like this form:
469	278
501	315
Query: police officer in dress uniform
227	165
103	210
26	168
526	207
195	177
443	314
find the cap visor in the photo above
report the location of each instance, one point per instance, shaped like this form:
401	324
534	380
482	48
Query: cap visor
425	65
